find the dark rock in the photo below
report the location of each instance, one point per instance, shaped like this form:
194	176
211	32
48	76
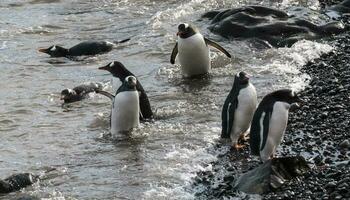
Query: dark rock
16	182
271	174
344	144
267	24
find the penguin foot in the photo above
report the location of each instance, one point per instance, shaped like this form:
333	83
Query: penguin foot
244	137
238	146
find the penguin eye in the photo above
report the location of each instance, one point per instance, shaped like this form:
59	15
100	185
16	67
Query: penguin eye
53	48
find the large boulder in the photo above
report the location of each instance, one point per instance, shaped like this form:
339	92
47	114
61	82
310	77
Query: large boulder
271	175
266	24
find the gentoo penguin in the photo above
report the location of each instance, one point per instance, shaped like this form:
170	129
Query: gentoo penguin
270	121
117	69
125	109
80	92
16	182
193	51
238	109
81	49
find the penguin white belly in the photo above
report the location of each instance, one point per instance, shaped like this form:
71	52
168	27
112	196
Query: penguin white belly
125	112
193	55
247	101
277	126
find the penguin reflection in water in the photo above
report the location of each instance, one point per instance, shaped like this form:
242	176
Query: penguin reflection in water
270	121
125	108
193	52
238	109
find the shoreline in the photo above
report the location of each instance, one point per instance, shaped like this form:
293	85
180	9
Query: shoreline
318	131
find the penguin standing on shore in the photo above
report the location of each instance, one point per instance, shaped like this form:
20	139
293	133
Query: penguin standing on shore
238	109
117	69
82	49
193	51
125	108
270	121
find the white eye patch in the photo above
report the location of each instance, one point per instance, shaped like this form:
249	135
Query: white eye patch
293	93
53	48
186	25
112	64
70	91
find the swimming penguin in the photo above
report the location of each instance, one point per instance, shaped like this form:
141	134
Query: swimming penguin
80	92
81	49
193	51
270	121
125	109
238	109
117	69
16	182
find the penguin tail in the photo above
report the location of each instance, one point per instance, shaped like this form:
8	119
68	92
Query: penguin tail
121	41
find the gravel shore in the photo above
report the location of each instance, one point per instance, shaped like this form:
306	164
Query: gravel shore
318	131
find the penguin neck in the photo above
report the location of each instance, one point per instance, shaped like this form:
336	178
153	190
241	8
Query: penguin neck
65	51
187	35
125	87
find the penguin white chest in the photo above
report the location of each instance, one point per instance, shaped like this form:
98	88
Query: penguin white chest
125	111
278	122
247	101
193	55
277	126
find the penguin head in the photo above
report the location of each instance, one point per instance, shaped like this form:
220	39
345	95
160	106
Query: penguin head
242	78
55	51
287	96
186	30
130	82
117	69
67	94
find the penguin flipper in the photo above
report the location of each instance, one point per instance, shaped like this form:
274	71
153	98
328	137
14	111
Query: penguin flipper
121	41
174	54
217	46
228	118
266	124
104	93
259	127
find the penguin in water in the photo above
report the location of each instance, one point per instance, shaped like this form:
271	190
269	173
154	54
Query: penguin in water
193	52
238	109
270	121
82	49
117	69
80	92
125	109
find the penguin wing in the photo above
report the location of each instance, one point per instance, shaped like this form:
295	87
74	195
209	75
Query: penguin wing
217	46
105	93
173	54
266	127
145	106
227	116
259	130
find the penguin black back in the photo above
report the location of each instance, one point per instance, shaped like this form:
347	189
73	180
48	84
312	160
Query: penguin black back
241	81
79	92
117	69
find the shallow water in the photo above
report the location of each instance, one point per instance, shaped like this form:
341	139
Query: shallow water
160	158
